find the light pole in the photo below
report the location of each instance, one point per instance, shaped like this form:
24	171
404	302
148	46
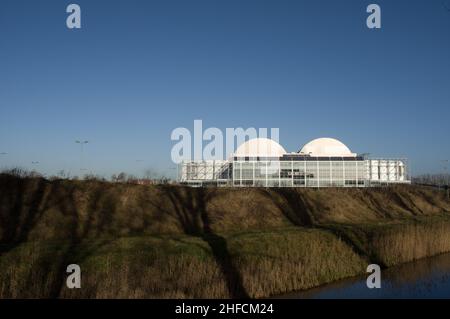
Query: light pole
445	177
34	163
3	153
445	168
82	143
175	168
138	168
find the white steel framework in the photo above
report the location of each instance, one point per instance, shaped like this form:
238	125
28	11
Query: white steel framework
295	172
323	162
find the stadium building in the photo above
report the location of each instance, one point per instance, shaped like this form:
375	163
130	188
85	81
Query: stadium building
323	162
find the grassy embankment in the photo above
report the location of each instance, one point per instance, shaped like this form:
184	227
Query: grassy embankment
164	241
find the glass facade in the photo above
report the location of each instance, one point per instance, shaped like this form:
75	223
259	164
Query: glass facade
292	173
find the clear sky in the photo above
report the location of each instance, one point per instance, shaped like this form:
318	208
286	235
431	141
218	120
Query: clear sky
138	69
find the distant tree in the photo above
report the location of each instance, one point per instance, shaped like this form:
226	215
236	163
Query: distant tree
34	174
163	180
18	172
432	179
132	179
62	174
150	174
122	177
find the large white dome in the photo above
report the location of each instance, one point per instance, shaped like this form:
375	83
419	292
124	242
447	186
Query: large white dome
326	147
262	147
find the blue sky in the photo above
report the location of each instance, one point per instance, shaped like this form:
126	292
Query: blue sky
138	69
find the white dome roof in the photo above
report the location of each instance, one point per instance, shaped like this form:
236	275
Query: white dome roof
262	147
326	147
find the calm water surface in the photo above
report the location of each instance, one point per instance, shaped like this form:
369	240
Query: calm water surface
426	278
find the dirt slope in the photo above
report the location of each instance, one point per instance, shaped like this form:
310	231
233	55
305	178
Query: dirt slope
35	209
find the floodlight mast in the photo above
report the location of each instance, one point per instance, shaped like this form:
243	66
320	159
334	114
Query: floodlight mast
82	143
445	178
445	168
177	171
3	153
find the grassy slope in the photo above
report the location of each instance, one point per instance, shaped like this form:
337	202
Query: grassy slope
164	241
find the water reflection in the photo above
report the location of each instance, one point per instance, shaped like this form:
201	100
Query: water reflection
426	278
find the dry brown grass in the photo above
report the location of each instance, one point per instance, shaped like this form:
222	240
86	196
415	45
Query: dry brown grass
36	209
292	259
149	267
355	206
407	242
167	241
